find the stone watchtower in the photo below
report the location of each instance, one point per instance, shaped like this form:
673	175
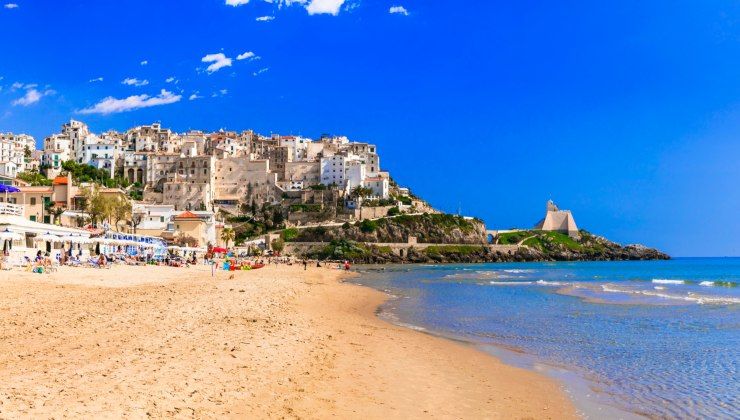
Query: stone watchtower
557	220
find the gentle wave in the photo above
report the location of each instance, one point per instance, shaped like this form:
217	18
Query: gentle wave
718	300
551	283
510	283
666	281
517	271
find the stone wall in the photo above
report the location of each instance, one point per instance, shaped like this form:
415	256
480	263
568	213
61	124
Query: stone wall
400	249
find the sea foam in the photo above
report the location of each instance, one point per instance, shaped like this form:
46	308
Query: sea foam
666	281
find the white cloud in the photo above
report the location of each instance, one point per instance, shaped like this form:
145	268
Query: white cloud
170	79
194	96
248	54
260	71
97	79
236	2
265	18
144	63
16	86
130	81
111	105
224	91
318	7
11	6
32	96
398	10
219	61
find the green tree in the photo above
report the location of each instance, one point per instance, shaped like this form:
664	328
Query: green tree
34	178
95	204
360	192
278	245
227	235
121	210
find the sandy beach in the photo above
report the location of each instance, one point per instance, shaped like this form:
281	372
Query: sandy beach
270	343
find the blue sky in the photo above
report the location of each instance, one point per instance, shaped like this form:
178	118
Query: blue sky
626	112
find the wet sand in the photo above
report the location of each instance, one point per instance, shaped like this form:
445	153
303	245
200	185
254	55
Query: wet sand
275	342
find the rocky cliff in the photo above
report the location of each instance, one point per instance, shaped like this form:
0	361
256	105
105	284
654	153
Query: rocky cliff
459	240
427	228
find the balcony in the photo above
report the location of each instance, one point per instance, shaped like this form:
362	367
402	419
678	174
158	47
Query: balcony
11	209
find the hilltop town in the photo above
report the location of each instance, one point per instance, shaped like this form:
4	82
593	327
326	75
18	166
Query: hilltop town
255	182
327	198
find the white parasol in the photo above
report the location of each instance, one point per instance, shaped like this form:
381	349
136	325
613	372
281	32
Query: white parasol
7	235
47	237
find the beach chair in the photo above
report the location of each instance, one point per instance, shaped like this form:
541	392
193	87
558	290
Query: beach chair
54	267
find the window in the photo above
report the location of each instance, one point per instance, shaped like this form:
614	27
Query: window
33	203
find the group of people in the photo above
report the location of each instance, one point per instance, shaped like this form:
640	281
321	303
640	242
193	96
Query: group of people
329	264
41	264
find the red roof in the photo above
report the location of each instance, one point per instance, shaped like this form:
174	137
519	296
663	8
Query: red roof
60	180
187	215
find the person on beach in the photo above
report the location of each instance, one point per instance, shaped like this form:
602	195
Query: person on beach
305	265
346	265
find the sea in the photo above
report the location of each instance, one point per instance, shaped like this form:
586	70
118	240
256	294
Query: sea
630	339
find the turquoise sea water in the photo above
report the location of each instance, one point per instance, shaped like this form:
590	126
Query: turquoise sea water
657	338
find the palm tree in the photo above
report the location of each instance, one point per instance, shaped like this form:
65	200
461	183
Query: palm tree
228	235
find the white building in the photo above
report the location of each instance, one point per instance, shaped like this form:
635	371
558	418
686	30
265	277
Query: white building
298	145
154	217
332	170
8	169
354	174
57	150
379	185
78	134
101	155
16	150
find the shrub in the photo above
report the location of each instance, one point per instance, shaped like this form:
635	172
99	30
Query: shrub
278	245
289	234
394	211
368	226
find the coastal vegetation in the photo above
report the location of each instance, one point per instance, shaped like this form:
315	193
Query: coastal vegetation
82	173
34	178
427	228
455	240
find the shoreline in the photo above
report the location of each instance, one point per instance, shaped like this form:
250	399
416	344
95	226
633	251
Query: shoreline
589	403
277	341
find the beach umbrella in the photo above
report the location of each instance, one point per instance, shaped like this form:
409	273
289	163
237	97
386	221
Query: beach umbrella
7	235
76	239
8	189
47	237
